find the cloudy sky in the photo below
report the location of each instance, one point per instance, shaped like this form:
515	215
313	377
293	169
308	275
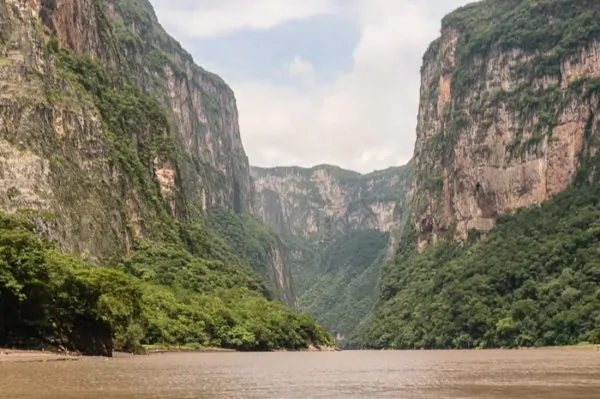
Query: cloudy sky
317	81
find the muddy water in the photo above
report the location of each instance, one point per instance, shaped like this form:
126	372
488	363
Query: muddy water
548	374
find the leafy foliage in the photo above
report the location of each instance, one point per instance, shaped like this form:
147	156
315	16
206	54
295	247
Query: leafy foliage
50	298
535	280
338	280
160	294
257	243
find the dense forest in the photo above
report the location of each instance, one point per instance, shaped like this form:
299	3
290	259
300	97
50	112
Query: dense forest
533	281
260	245
197	293
338	279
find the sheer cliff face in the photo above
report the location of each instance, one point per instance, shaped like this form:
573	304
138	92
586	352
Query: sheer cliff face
339	228
106	123
508	112
202	107
326	200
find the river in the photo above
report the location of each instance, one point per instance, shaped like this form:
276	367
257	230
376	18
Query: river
540	373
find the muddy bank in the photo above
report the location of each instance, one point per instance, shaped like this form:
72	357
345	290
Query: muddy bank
168	349
311	348
14	356
151	350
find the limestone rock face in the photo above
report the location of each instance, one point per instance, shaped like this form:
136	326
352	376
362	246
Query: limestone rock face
109	133
107	124
505	120
326	200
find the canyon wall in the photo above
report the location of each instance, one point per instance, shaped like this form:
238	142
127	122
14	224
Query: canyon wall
508	112
339	227
109	133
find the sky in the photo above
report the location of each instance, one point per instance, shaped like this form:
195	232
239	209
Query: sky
316	81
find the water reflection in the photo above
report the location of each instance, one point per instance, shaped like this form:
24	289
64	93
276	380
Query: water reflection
548	373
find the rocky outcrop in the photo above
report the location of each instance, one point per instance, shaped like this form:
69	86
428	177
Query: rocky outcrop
281	275
203	110
507	116
327	200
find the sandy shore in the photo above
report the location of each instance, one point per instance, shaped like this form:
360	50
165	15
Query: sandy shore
15	356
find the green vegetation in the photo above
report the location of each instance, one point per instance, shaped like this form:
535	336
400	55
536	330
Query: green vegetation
136	130
260	245
337	279
542	34
198	295
50	298
165	273
390	184
532	282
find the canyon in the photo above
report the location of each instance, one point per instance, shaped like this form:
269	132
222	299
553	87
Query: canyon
122	169
339	228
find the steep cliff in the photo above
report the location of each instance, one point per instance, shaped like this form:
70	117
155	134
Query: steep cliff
326	200
122	150
100	105
502	246
509	98
338	226
261	246
110	126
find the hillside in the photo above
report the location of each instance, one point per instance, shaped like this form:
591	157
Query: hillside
503	242
338	227
119	152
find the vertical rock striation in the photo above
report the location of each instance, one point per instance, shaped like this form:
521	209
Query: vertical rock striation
508	111
60	153
326	200
109	133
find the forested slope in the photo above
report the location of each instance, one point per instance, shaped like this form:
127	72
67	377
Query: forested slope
535	280
502	248
338	227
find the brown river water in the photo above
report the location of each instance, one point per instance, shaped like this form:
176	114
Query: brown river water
540	373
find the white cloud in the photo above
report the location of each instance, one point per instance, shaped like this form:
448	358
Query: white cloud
366	118
211	18
300	67
363	120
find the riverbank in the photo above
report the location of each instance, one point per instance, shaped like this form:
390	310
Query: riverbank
583	346
17	356
23	355
312	348
158	349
